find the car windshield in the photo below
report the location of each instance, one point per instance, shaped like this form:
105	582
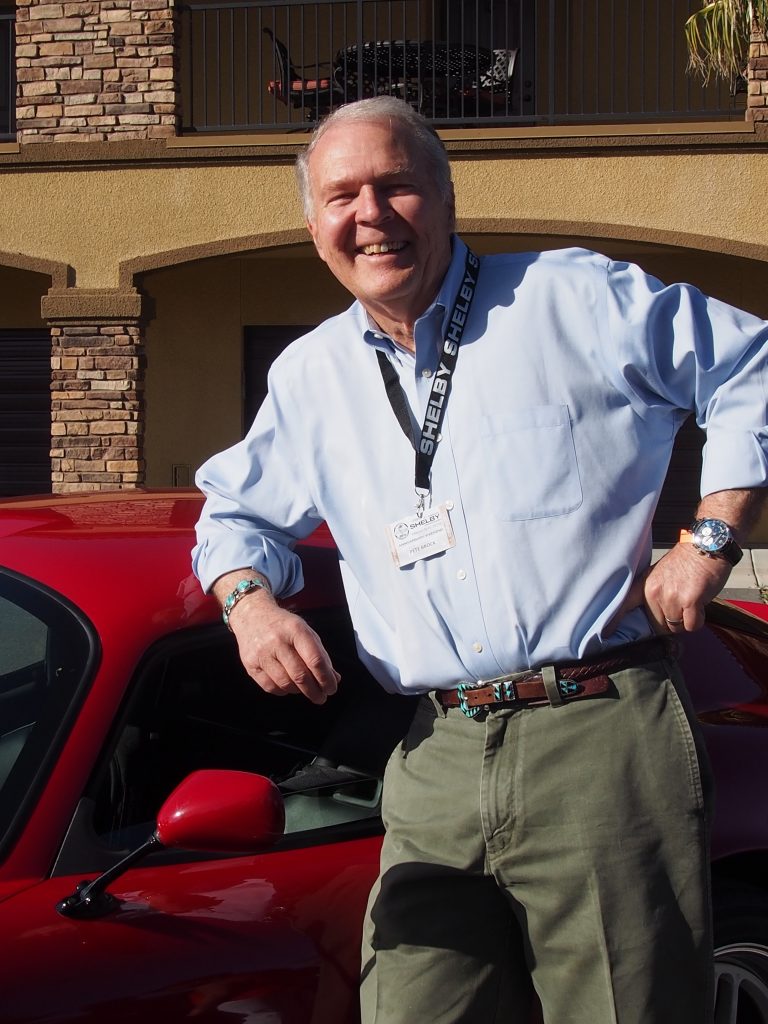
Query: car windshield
46	648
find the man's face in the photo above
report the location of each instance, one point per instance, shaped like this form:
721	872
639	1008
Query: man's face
377	221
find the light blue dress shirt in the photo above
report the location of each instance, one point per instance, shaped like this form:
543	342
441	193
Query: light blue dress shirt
573	377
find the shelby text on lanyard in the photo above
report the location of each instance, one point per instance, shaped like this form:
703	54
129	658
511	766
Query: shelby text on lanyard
441	382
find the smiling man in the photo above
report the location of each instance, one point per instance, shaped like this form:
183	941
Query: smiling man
378	222
487	439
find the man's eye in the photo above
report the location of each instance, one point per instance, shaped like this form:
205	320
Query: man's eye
401	188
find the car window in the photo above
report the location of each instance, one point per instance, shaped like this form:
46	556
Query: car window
46	649
22	674
22	638
192	706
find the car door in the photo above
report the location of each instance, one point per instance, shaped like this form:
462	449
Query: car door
269	937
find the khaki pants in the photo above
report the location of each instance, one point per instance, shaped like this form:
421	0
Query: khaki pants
567	845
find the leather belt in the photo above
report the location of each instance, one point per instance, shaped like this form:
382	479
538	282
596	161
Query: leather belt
572	681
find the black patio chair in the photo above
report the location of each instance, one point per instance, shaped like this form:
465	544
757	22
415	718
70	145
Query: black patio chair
316	96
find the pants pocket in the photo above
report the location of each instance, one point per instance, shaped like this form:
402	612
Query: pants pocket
699	769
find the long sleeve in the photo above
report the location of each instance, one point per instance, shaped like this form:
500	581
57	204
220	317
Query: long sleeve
257	503
700	355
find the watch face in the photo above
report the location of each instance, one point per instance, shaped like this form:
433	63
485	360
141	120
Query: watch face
711	535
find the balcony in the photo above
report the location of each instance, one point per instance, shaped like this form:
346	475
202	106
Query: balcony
7	77
279	67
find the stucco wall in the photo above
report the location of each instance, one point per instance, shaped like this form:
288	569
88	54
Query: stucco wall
94	220
663	196
195	346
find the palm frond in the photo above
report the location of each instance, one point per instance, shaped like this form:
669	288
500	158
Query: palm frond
718	36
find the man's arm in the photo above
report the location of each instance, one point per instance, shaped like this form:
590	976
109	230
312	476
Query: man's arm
676	589
278	649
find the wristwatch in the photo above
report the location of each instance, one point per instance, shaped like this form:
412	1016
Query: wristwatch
713	537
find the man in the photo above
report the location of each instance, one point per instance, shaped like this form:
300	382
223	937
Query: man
554	823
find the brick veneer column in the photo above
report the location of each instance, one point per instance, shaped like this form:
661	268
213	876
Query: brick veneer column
97	408
757	78
90	70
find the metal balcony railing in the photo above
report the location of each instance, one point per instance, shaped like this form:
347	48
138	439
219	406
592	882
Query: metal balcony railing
266	66
7	76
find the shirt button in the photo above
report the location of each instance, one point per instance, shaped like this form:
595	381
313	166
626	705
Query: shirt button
461	574
449	505
477	648
426	373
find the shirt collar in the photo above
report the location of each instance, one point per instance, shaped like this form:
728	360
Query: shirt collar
442	304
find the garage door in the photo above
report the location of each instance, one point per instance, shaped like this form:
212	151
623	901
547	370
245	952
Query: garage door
25	412
263	344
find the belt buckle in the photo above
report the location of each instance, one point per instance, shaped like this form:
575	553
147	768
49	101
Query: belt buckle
503	690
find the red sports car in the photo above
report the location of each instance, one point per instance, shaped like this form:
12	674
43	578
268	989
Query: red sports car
118	680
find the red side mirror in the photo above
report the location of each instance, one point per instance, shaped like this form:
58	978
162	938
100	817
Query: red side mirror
219	810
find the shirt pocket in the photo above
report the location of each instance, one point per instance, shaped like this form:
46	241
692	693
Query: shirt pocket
530	461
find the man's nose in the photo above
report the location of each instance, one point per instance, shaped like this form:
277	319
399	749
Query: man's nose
372	204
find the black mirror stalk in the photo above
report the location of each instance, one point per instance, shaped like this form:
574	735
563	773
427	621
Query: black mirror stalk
90	899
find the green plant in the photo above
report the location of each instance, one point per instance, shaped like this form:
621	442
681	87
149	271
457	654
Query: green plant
718	36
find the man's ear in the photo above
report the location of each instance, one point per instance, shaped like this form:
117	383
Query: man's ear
312	230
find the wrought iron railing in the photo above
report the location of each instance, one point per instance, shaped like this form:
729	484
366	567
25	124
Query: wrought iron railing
7	76
257	65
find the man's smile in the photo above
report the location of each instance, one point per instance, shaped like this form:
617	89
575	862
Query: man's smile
382	247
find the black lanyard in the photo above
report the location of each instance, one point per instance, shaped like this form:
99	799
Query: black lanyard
441	381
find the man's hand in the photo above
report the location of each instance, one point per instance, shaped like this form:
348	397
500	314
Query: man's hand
278	649
675	590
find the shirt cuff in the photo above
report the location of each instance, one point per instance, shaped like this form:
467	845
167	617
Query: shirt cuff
734	459
281	566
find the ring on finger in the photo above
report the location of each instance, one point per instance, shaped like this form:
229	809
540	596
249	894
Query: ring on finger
673	622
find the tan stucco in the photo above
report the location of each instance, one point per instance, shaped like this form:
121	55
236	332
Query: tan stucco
195	346
661	196
94	220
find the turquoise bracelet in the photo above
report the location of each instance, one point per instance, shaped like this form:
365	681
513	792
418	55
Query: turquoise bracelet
241	589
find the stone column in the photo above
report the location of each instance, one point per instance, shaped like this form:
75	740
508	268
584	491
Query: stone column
95	70
757	78
97	393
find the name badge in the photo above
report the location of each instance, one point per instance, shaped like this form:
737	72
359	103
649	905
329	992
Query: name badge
416	537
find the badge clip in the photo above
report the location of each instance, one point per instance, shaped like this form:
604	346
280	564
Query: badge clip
421	496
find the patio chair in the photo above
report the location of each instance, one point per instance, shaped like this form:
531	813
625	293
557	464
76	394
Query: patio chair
493	90
315	96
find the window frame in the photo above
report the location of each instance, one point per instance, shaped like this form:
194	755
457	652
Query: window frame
84	850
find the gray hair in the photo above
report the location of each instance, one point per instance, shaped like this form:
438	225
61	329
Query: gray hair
386	109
